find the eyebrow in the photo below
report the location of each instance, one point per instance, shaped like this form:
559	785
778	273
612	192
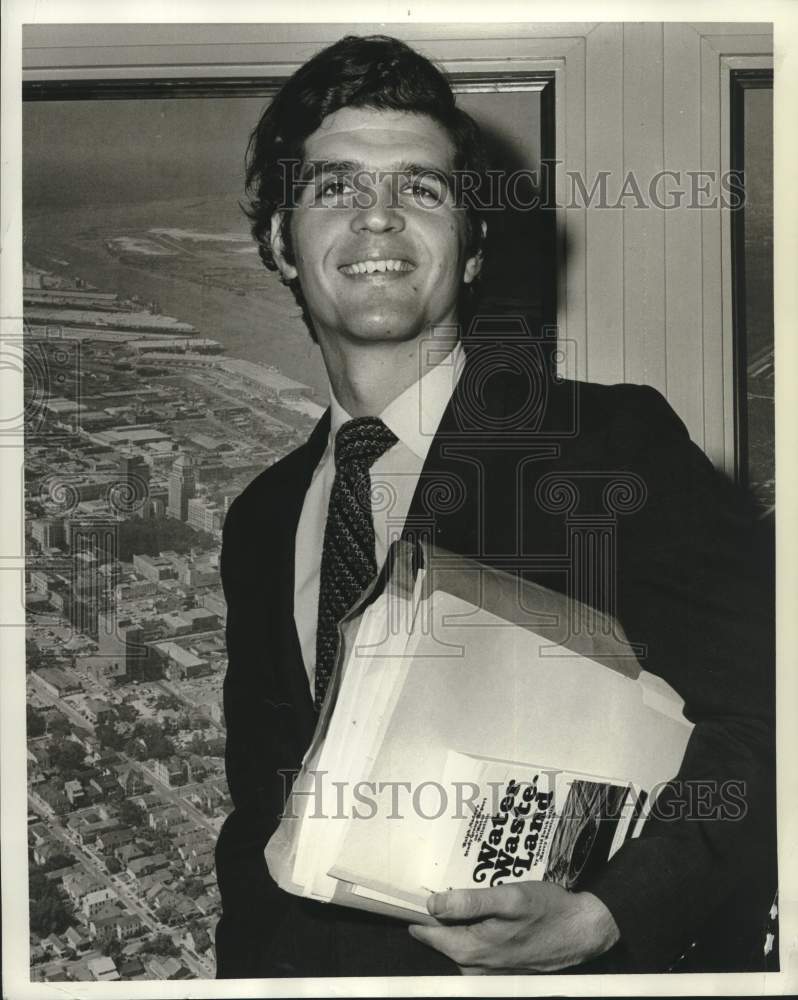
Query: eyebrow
313	170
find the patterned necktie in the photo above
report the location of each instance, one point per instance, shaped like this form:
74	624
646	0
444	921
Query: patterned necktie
348	561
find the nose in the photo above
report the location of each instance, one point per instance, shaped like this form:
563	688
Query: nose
379	211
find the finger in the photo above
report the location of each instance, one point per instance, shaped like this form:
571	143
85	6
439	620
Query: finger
454	942
473	970
475	904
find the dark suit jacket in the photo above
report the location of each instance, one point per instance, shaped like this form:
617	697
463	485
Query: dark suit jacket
527	473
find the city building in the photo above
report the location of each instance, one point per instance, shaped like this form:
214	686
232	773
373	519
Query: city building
182	664
134	477
48	532
57	682
154	568
121	640
182	482
204	515
102	668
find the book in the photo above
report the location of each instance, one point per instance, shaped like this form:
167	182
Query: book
477	729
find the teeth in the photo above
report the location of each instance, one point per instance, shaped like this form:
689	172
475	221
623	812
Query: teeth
376	266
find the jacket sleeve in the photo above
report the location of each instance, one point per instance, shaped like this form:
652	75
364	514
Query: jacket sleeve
695	587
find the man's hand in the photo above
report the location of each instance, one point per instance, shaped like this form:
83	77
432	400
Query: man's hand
526	927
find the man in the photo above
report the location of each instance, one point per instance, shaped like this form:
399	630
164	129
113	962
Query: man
354	174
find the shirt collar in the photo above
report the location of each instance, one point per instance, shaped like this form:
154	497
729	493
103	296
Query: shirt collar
415	414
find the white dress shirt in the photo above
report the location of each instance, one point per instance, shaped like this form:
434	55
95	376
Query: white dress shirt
413	417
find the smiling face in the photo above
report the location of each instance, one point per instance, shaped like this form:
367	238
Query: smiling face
379	246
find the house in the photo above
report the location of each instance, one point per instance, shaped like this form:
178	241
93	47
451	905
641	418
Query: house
78	885
54	797
155	882
166	968
74	792
131	968
37	954
75	939
55	975
103	969
130	780
54	945
114	922
45	852
93	901
182	829
80	972
108	760
128	925
103	929
147	801
104	786
146	865
127	852
89	832
110	839
165	818
179	907
206	904
40	753
38	833
190	843
200	861
98	711
196	768
172	771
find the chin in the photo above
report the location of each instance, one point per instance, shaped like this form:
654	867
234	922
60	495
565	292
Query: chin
385	328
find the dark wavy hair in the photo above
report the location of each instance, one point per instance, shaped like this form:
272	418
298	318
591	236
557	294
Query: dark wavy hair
373	71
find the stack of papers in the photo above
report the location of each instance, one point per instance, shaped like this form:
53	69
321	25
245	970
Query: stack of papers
477	730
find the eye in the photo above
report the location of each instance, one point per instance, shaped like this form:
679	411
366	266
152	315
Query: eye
426	192
335	189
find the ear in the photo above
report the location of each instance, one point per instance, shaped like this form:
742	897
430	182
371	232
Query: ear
287	271
473	265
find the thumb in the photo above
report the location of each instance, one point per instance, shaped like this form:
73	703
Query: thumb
470	904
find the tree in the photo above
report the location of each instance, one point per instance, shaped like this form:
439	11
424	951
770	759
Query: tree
167	913
112	865
33	655
108	736
49	914
126	712
60	860
112	947
159	534
161	842
193	887
35	723
168	702
68	756
162	944
198	745
155	743
58	724
131	814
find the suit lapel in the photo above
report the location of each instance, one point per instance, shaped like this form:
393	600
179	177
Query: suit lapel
290	503
504	414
